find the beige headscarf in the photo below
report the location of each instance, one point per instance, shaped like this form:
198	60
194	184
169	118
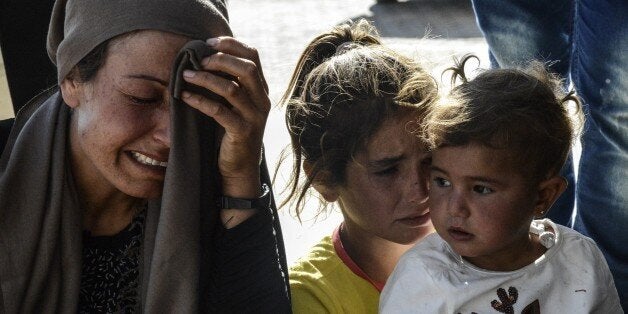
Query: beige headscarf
78	26
40	225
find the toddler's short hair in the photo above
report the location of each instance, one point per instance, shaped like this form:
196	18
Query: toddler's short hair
523	111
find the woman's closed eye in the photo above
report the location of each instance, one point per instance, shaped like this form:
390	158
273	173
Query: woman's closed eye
143	101
140	96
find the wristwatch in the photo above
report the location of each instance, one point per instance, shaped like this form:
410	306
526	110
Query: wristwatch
226	202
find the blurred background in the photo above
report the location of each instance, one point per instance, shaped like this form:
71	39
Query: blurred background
431	31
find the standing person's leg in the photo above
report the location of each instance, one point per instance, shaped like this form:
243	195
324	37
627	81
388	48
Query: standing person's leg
518	31
600	74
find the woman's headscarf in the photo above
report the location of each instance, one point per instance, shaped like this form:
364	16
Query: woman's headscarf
78	26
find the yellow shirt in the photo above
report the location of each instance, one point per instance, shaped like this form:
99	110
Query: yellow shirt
327	281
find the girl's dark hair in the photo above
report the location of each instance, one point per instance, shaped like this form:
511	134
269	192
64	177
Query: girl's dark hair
521	110
344	86
87	68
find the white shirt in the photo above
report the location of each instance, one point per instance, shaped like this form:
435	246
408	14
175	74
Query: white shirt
571	277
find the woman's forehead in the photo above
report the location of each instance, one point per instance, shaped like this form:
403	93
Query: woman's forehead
393	139
144	53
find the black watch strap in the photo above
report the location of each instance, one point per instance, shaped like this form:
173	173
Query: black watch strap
226	202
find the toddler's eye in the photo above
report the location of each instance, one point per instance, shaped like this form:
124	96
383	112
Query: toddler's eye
482	189
440	182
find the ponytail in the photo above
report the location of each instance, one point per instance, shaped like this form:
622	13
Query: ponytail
339	40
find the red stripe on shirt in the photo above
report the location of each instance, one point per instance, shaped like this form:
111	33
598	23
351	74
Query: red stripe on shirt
346	259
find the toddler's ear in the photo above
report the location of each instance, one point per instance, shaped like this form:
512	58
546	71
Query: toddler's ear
327	191
548	192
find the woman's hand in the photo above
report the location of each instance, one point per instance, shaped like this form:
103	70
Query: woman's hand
244	122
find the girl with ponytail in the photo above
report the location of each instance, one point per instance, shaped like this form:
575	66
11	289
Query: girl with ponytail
351	108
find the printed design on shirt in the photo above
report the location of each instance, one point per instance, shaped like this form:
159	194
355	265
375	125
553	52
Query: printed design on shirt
110	271
532	308
506	301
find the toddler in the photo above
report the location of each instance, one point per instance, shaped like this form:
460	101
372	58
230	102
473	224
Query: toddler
498	144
